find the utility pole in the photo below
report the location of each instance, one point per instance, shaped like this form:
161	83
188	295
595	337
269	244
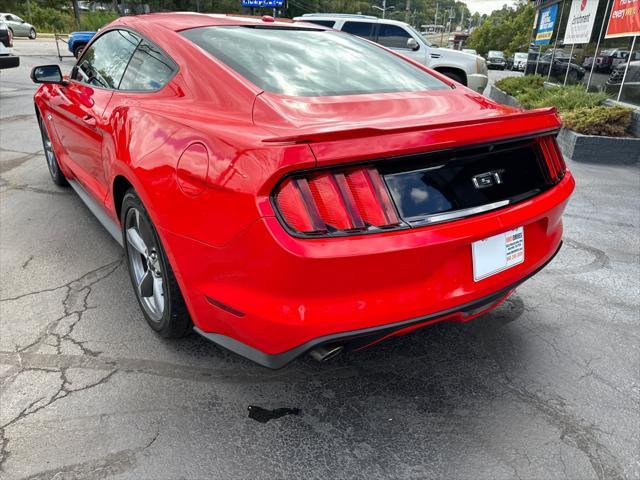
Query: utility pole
435	20
407	15
384	8
76	11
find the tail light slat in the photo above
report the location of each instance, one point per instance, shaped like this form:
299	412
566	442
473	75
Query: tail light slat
338	202
553	157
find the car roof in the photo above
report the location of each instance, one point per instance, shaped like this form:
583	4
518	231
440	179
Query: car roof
177	21
348	17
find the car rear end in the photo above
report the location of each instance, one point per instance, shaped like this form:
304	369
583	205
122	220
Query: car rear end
379	212
370	243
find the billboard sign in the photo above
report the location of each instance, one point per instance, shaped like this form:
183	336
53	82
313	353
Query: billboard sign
581	19
547	21
263	3
624	20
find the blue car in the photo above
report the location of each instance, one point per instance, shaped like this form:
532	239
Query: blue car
79	40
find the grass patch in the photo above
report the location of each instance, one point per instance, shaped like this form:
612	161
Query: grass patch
580	111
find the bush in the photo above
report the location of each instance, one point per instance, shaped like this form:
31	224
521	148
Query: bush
565	99
609	121
579	110
516	86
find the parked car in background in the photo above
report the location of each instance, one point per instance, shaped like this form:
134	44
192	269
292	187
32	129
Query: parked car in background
284	190
470	51
469	70
631	91
6	36
561	61
7	58
77	42
587	62
607	60
18	26
519	61
496	60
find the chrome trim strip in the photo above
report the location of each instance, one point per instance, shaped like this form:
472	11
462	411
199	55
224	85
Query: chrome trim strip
467	212
98	211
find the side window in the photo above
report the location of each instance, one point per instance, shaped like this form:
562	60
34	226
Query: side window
104	62
361	29
392	36
149	69
324	23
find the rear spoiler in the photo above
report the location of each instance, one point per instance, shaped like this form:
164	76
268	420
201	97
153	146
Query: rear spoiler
542	119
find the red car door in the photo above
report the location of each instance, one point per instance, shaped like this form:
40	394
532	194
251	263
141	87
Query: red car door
78	122
79	109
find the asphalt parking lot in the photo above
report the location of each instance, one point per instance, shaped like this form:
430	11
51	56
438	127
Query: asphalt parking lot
545	387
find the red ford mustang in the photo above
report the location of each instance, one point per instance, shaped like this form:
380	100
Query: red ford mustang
284	188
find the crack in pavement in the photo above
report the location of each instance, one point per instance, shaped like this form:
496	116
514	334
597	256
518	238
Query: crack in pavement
8	165
29	188
601	260
100	468
75	304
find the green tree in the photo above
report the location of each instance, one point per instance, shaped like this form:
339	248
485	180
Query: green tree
507	29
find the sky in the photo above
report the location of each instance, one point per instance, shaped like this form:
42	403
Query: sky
487	6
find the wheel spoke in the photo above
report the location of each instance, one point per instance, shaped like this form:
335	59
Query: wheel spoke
136	241
158	294
146	284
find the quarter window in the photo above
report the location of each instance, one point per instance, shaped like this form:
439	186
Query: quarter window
392	36
149	69
361	29
104	62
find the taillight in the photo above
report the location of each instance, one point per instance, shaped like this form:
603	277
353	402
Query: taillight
553	157
10	38
337	202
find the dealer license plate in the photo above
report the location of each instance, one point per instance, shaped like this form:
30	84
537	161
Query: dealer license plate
497	253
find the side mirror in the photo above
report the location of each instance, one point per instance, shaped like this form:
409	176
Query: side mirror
413	44
47	74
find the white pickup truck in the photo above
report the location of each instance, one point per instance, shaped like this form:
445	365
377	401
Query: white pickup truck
465	68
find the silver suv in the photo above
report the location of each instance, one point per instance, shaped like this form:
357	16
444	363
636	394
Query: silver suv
465	68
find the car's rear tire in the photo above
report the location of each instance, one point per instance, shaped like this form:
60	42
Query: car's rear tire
32	34
153	281
77	51
52	161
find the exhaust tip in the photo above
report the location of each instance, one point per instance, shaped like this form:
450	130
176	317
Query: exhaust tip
326	353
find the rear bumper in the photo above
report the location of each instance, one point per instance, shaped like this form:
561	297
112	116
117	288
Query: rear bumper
368	336
270	297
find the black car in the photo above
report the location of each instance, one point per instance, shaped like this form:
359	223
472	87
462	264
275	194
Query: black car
496	59
561	61
631	91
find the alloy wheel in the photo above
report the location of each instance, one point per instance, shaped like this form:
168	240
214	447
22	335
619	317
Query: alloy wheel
48	151
145	264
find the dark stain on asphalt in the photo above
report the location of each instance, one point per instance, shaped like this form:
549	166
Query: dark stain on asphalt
263	415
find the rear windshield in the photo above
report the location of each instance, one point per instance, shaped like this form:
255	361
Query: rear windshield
310	63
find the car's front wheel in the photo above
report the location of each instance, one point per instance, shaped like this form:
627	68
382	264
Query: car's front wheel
153	280
32	34
52	161
77	51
